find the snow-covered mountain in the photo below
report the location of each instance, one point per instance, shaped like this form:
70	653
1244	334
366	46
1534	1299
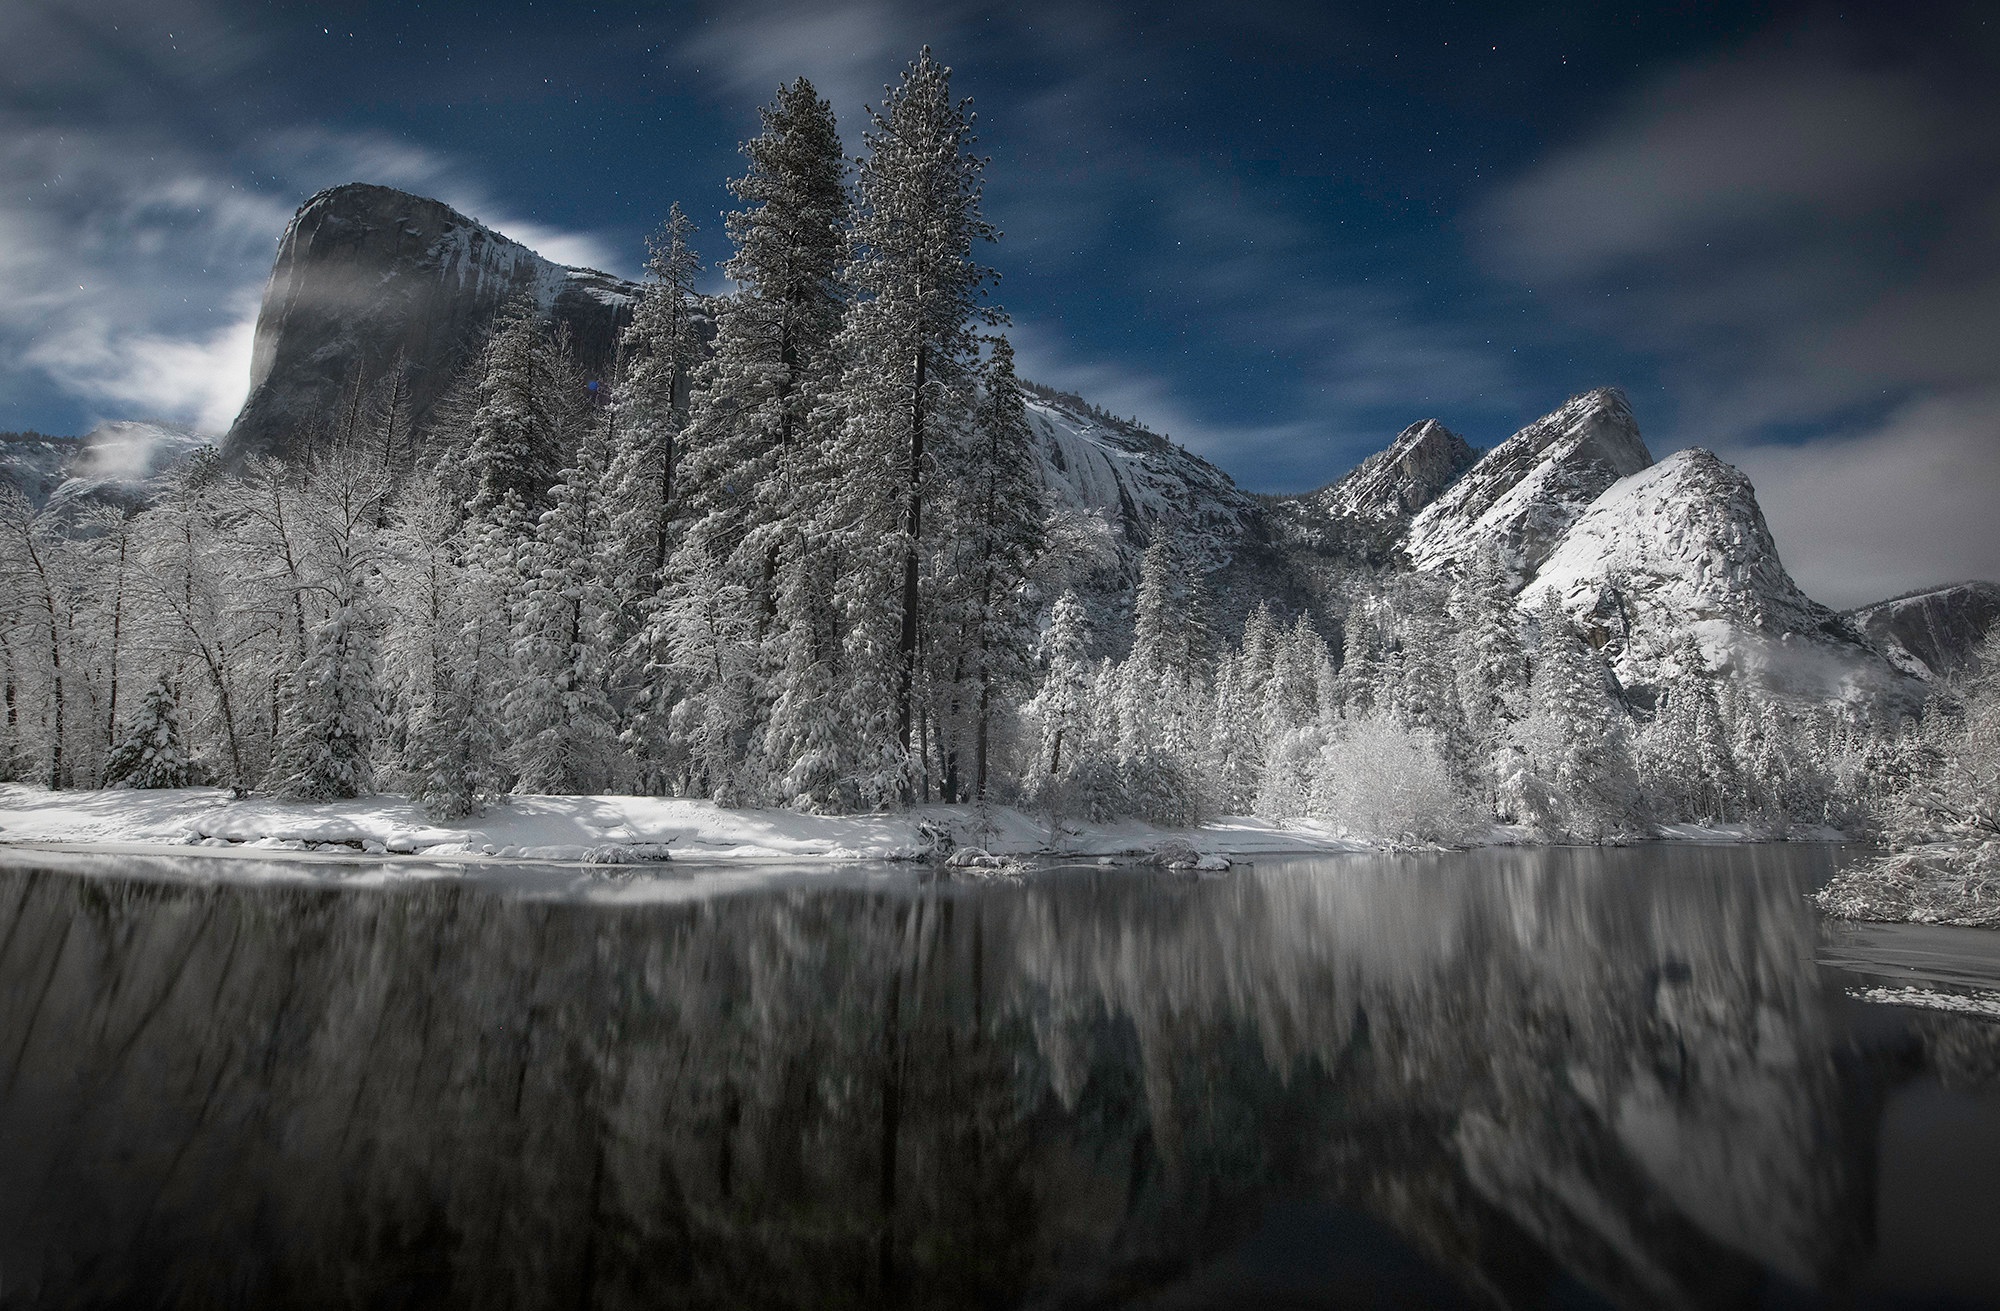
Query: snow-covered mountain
1113	485
1523	495
1936	628
1681	547
365	274
114	464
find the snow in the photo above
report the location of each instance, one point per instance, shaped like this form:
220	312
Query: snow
1682	547
1984	1004
601	829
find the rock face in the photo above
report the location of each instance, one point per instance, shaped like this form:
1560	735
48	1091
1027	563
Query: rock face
1526	492
1939	627
1395	483
1113	486
1682	547
368	274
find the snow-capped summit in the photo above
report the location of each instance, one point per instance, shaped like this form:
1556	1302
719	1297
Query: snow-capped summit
364	273
1526	492
1681	547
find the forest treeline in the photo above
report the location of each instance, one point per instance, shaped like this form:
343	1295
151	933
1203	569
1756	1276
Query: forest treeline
796	551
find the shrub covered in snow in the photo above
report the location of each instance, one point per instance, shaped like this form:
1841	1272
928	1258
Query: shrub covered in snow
1383	781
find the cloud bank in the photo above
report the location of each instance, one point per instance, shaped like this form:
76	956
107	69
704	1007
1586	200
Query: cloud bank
1804	234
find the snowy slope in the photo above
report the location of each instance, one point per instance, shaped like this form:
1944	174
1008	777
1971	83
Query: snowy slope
1682	547
1526	492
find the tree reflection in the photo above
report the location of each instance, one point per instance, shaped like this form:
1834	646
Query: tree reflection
1537	1070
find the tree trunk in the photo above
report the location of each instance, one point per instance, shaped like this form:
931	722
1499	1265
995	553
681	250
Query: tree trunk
907	646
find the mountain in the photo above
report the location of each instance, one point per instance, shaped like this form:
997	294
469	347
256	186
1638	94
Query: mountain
1938	627
1113	485
117	464
1525	493
368	275
1682	547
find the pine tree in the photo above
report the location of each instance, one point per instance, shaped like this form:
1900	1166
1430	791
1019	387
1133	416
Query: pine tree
1578	779
998	520
559	708
773	358
152	754
509	435
660	349
908	348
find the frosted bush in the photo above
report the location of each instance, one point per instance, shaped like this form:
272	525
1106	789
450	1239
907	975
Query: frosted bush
1382	781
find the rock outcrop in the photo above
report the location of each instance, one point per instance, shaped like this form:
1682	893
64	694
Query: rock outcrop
369	279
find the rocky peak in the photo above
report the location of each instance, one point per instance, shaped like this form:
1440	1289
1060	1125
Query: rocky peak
1682	547
1523	495
1401	479
368	275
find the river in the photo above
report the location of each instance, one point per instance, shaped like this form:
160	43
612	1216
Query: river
1538	1077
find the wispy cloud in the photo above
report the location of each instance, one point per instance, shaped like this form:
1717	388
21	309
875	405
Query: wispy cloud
1804	235
133	253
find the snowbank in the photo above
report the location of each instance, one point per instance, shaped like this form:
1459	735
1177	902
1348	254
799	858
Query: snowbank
601	829
1942	883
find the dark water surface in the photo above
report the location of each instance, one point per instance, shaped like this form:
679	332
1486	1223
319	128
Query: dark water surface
1535	1078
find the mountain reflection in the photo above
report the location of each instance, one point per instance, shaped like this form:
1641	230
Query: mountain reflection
1527	1077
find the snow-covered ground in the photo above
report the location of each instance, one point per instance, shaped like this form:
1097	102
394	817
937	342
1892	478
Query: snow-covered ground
603	828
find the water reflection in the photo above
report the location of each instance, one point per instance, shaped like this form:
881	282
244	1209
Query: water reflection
1516	1077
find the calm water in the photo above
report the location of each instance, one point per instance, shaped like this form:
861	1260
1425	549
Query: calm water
1560	1078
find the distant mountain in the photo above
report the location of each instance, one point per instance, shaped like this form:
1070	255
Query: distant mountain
1523	495
368	276
118	464
1938	627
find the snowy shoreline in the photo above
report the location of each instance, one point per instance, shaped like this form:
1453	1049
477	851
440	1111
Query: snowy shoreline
593	829
628	829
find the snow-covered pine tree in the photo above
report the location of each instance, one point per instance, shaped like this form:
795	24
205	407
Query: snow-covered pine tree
561	721
1688	745
908	348
325	744
1578	779
442	661
152	753
509	440
660	351
704	629
999	517
749	434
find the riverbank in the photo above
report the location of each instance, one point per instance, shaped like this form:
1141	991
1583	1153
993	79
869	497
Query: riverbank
601	829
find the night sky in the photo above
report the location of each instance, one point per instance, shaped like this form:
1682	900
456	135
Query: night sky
1278	233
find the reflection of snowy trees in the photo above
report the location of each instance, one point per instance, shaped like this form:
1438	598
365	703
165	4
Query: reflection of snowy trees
936	1096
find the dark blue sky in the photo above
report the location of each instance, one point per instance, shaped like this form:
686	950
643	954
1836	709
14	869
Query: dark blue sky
1277	232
